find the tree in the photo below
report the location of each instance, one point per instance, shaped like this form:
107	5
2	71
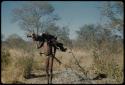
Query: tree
52	29
15	41
30	15
114	11
86	34
91	35
63	35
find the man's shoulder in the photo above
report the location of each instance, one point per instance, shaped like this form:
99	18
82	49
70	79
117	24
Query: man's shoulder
51	35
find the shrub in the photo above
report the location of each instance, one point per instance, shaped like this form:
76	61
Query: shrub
5	56
25	63
106	64
19	68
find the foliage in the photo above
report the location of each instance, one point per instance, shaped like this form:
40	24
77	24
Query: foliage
114	11
25	63
108	66
63	35
19	66
15	41
89	35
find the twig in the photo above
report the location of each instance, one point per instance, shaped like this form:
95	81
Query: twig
77	63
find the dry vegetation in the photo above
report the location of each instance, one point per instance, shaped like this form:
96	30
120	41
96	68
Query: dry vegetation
96	56
78	66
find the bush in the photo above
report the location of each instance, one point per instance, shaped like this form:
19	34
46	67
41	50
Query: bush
25	63
5	58
105	62
19	68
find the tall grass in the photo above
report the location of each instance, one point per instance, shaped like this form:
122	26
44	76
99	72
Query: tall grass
106	59
25	64
5	58
19	68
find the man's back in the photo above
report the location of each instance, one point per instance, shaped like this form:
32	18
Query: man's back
48	37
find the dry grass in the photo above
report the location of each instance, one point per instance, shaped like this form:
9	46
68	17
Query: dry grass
20	66
110	61
85	63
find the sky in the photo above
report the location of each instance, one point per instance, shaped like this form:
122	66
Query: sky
73	14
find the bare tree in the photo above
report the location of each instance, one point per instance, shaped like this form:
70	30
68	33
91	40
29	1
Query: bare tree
30	15
114	11
86	35
63	35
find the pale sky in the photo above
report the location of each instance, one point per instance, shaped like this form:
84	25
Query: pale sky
72	13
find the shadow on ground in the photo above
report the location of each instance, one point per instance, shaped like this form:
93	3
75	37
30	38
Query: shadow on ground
33	75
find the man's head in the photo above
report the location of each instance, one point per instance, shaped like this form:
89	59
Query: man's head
32	35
